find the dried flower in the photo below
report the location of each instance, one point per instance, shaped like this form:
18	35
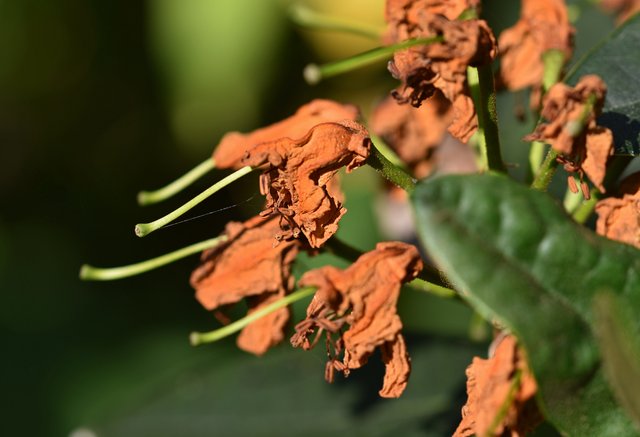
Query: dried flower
543	25
364	296
424	70
249	266
619	218
502	379
234	145
572	130
299	177
622	8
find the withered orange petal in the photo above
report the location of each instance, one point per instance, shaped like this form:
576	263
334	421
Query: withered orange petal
397	367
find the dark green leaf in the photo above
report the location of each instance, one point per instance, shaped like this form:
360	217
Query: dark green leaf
520	259
617	61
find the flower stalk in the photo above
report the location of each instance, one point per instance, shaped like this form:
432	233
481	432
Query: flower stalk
144	229
390	171
306	17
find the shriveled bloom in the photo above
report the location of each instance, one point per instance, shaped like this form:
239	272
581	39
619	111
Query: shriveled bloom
248	266
363	296
619	217
439	67
572	131
622	8
489	383
413	133
299	177
234	145
543	25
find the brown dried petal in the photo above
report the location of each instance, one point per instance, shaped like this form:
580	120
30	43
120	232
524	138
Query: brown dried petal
407	12
599	147
622	8
543	25
248	265
365	296
488	385
397	365
413	133
298	181
619	218
233	146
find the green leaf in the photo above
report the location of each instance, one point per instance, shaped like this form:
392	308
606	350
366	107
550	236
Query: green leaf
620	348
617	61
519	259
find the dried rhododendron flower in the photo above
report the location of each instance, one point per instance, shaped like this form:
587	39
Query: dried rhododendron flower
584	147
424	70
503	380
249	266
299	178
234	145
363	296
622	8
413	133
400	13
543	25
619	218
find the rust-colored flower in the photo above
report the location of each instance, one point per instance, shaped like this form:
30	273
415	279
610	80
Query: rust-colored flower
424	70
490	384
543	25
572	130
363	296
622	8
249	266
619	217
397	11
413	133
234	145
299	182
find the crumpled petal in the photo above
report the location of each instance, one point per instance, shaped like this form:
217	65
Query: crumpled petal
408	12
234	145
249	266
619	218
364	296
587	150
413	133
424	70
488	385
622	8
543	25
298	180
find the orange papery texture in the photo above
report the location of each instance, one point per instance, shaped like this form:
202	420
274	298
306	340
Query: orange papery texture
619	217
490	383
364	296
299	182
234	145
439	67
248	266
543	25
582	150
622	8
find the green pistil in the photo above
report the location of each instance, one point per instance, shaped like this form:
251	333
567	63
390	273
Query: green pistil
306	17
197	338
151	197
313	73
143	229
90	273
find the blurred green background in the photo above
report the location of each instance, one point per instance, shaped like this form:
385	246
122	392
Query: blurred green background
101	99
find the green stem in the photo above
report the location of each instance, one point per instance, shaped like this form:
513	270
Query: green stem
387	151
304	16
90	273
314	73
545	173
151	197
143	229
197	338
430	287
585	209
553	61
484	94
390	171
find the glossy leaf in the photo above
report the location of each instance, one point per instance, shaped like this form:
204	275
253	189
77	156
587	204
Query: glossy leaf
617	62
520	260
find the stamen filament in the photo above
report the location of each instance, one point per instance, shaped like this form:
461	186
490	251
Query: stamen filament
143	229
306	17
91	273
197	338
314	73
151	197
